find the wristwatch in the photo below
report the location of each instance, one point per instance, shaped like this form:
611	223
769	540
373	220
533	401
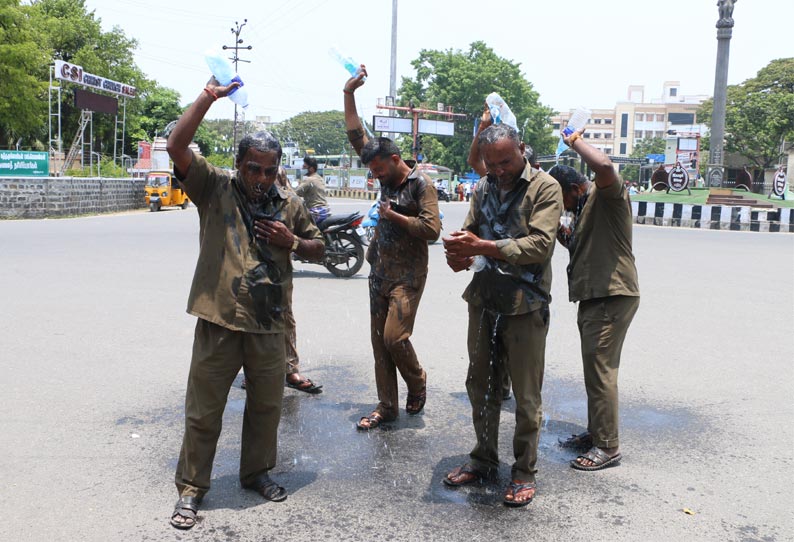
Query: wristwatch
295	242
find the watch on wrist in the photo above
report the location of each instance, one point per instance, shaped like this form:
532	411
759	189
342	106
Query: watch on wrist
295	243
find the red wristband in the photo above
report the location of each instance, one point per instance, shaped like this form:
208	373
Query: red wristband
211	92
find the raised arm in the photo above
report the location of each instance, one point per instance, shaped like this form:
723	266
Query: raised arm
355	130
599	162
182	135
474	159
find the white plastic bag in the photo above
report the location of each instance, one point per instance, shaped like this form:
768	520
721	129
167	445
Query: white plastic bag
500	111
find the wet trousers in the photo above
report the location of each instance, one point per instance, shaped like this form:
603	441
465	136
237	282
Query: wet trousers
517	345
393	307
218	354
603	324
290	336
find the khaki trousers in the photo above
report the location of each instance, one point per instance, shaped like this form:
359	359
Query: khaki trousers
393	309
290	336
603	324
517	345
218	354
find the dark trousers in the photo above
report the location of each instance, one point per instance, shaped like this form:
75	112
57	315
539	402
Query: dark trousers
290	336
517	345
218	354
393	307
603	324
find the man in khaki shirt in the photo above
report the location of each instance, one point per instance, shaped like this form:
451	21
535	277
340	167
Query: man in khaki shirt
602	278
511	228
398	264
312	190
248	229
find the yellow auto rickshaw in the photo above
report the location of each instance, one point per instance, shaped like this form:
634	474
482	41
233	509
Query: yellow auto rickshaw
163	190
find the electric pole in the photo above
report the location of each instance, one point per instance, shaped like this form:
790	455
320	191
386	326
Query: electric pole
236	58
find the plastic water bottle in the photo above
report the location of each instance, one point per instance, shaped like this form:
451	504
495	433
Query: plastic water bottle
578	121
478	264
346	62
224	72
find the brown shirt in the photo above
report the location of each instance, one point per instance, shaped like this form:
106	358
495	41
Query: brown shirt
602	261
399	254
312	190
524	226
240	283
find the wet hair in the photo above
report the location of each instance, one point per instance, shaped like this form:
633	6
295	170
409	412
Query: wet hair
567	177
260	141
379	147
497	132
310	162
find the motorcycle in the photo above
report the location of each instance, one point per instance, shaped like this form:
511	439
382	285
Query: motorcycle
442	193
372	220
344	248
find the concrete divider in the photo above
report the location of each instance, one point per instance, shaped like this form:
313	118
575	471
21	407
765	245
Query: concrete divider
713	217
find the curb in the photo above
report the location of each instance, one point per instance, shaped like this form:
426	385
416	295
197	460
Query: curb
351	193
713	217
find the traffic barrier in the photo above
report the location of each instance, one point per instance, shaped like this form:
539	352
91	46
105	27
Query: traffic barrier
713	217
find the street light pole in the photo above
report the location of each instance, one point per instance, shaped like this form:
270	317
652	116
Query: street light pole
236	47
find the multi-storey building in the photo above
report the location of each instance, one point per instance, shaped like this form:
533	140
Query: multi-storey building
616	131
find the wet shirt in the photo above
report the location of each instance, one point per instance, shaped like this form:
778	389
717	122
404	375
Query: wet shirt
602	261
240	283
399	254
524	225
312	190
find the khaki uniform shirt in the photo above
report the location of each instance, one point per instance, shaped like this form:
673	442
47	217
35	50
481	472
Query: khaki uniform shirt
239	283
312	190
399	254
524	227
602	261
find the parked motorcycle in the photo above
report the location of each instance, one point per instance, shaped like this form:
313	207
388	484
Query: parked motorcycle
344	247
373	216
442	193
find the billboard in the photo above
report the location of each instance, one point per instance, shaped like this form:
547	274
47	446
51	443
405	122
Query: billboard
73	73
392	124
436	127
95	102
24	164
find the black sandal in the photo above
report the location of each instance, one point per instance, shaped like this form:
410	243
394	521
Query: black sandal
477	475
269	489
416	402
581	442
373	421
186	508
516	487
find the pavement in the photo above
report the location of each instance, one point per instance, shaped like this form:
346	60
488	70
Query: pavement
96	346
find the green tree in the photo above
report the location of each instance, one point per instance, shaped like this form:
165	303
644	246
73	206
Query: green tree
23	102
159	107
462	79
322	131
65	30
759	114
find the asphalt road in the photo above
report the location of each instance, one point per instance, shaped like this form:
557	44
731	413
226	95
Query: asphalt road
95	347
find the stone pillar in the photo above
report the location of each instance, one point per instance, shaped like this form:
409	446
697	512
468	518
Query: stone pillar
715	173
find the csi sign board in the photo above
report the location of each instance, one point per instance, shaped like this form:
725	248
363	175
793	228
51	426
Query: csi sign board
392	124
72	73
24	164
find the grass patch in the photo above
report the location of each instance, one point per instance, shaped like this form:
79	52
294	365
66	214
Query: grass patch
700	195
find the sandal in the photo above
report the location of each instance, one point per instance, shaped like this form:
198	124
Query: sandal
305	385
514	489
581	442
372	421
598	457
269	489
185	508
416	402
471	475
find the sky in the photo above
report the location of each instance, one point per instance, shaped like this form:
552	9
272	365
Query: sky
573	52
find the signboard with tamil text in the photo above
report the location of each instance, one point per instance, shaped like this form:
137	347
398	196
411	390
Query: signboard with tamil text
678	179
779	183
24	164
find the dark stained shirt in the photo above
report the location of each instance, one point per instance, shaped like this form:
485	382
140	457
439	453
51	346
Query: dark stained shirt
399	254
240	283
524	226
602	261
